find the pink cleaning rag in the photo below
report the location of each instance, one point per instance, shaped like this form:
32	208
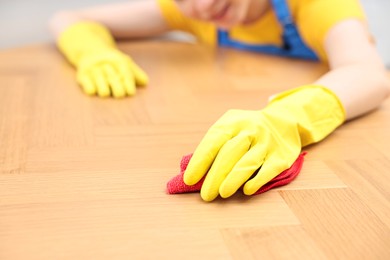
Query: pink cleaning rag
176	185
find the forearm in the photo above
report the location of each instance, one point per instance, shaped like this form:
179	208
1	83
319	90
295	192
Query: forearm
134	19
360	87
357	74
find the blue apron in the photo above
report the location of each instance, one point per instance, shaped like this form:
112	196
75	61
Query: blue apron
293	46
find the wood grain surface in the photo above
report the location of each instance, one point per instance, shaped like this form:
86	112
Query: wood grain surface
84	177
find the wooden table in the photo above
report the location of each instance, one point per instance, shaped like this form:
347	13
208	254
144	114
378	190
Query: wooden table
84	177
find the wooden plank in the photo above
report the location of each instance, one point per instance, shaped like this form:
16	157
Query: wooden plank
340	224
284	242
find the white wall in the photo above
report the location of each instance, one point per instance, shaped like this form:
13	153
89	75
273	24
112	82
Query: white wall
25	21
378	13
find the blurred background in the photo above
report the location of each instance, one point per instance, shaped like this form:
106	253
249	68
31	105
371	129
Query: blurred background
25	21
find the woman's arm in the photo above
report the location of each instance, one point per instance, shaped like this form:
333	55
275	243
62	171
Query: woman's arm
131	19
357	76
87	39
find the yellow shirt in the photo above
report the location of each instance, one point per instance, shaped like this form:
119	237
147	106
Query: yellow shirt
313	18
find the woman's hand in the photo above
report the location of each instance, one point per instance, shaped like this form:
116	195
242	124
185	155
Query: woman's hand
242	142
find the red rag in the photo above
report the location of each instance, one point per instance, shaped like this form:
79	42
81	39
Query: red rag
176	185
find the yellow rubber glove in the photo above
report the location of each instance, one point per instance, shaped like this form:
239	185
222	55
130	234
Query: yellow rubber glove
101	68
241	141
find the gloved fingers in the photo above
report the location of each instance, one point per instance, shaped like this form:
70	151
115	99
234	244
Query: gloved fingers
231	153
140	76
129	84
114	80
127	77
100	79
204	156
272	166
86	83
243	170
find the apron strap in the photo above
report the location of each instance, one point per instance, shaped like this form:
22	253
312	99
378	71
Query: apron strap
291	38
293	46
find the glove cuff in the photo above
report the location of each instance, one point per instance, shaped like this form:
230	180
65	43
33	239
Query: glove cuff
316	110
84	37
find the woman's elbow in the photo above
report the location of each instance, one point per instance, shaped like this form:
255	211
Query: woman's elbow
384	82
60	20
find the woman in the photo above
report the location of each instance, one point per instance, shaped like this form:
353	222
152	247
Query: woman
240	142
